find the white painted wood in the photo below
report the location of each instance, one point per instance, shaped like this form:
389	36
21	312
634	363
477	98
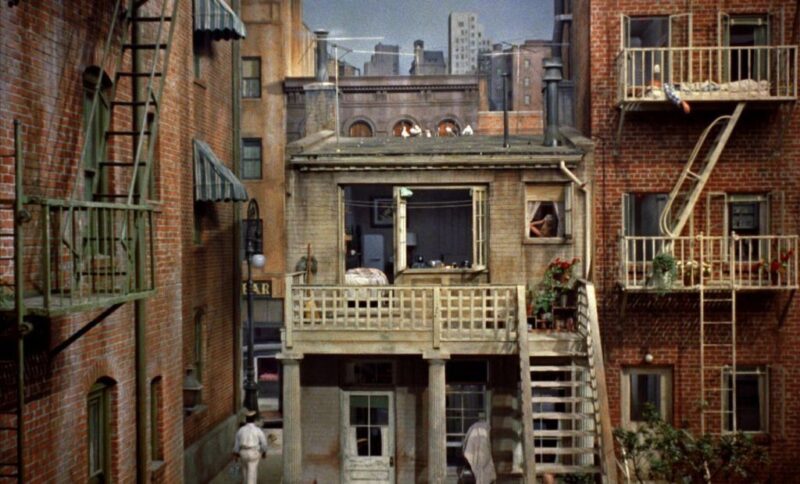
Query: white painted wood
357	469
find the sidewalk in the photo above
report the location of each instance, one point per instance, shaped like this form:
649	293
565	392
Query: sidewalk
269	470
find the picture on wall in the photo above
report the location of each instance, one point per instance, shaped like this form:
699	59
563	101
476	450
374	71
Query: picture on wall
382	212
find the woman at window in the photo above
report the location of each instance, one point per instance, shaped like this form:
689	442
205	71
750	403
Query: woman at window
544	227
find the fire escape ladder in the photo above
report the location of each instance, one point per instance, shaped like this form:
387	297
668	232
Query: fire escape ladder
717	357
695	175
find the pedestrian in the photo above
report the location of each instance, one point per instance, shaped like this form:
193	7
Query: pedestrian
250	447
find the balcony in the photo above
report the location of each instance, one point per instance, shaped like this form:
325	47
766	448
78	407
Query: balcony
79	256
706	74
764	262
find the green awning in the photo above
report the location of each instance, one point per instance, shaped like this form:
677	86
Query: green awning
215	18
213	181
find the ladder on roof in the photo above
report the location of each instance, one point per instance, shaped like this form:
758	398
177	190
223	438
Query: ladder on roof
695	175
717	357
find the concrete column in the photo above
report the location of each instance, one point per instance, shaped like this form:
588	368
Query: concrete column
292	429
437	448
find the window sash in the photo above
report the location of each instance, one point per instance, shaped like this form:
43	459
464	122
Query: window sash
251	158
562	196
760	374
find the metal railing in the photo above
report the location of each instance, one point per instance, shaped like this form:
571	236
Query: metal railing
84	254
708	73
449	313
745	262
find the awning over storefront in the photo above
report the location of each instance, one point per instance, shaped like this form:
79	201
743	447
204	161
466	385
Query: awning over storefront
213	181
215	18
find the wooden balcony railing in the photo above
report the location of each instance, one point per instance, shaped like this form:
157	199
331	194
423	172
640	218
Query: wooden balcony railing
487	313
765	73
81	255
743	262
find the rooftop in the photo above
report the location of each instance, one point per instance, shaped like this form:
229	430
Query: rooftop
322	149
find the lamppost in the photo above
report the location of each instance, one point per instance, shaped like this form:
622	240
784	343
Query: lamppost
254	257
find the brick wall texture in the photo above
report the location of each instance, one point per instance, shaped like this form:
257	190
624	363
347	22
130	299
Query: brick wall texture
653	149
46	47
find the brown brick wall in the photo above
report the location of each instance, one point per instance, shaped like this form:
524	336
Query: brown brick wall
490	123
653	149
46	47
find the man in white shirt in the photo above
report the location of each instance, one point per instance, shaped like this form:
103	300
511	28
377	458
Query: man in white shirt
250	447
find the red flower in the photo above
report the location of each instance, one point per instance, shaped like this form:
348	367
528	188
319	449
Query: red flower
775	266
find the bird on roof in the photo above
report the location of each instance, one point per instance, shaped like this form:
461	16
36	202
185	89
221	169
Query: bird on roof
449	131
404	133
415	130
468	131
427	133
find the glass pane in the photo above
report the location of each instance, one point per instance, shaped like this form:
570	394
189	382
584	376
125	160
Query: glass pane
362	441
251	150
454	426
645	389
94	436
748	404
359	405
453	401
379	416
250	68
251	169
375	441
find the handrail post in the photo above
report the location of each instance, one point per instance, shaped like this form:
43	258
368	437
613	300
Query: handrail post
437	317
288	312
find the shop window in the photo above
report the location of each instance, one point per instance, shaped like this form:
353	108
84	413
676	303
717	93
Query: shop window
251	158
251	77
548	212
751	396
643	387
467	402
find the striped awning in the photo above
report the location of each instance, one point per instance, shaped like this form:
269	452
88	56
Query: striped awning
215	17
213	181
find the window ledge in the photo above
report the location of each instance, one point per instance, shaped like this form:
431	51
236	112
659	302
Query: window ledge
548	241
187	411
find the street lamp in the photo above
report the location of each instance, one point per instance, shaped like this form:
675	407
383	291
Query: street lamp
254	257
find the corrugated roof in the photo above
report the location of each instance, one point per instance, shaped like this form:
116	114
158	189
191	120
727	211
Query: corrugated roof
217	19
213	181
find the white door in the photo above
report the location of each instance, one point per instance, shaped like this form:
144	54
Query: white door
367	434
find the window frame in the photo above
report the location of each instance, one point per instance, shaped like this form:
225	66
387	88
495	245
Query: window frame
761	372
248	81
480	227
666	388
568	218
260	158
461	387
100	393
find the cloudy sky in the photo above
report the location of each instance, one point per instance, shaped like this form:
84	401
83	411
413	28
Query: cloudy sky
401	22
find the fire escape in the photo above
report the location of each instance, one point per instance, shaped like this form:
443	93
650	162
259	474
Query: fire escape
95	251
717	266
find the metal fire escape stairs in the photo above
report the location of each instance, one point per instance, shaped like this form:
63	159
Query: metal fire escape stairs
101	224
717	336
566	424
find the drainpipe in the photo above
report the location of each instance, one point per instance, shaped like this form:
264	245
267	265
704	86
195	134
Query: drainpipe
237	220
587	218
140	306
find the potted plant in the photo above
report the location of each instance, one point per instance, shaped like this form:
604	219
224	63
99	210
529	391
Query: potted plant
557	281
776	269
665	269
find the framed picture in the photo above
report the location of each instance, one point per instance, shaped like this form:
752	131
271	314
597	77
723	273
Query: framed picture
382	212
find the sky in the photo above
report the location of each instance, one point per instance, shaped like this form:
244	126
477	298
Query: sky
401	22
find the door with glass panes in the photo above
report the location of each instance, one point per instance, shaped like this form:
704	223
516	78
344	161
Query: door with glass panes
367	436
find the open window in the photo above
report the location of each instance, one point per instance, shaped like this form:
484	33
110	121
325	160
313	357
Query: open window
643	388
648	39
641	213
748	215
742	38
399	228
748	399
548	212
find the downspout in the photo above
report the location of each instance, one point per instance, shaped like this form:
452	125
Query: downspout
140	306
587	218
237	219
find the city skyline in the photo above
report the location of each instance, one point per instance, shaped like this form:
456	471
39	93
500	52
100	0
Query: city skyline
400	23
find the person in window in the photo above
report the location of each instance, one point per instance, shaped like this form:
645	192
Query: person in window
544	227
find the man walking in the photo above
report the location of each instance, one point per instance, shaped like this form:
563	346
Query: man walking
250	446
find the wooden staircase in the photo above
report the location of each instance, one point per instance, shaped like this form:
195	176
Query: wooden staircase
566	425
684	196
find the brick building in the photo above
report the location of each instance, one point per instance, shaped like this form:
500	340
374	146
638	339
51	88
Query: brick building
384	62
126	290
729	231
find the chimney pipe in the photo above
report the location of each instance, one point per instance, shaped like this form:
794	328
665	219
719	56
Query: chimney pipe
419	49
552	75
321	73
505	110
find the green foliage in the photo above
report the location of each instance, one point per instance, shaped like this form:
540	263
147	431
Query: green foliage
665	270
658	451
557	280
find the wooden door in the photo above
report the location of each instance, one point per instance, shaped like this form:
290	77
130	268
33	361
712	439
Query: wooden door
367	437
